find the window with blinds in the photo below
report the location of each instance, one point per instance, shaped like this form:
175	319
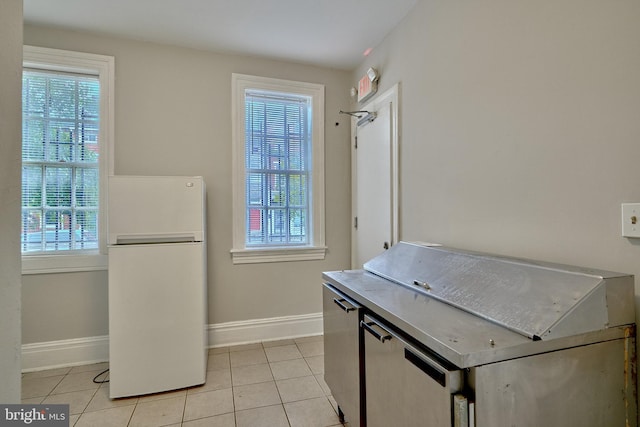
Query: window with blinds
278	170
277	156
60	161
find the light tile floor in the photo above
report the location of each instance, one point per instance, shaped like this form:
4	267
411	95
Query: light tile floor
269	384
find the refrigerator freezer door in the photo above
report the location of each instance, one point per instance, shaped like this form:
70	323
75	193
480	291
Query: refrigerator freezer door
157	316
144	207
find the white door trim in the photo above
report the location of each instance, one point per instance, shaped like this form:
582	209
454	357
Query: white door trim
391	95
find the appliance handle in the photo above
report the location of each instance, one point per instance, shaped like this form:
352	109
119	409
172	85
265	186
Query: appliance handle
427	366
138	239
340	303
368	326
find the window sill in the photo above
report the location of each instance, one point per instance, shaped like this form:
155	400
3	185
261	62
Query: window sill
44	264
262	255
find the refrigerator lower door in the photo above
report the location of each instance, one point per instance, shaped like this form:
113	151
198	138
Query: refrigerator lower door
157	317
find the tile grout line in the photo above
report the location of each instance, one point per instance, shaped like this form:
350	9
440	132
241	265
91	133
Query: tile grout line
277	389
233	395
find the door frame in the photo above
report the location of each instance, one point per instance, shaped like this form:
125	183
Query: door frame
391	95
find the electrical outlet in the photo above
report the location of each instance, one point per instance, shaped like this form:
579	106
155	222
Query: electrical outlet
631	220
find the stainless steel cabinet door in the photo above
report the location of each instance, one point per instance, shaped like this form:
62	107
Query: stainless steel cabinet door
341	317
404	386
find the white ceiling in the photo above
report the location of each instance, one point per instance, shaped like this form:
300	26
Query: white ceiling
333	33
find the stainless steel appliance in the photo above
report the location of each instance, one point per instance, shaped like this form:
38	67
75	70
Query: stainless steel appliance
400	375
455	338
341	320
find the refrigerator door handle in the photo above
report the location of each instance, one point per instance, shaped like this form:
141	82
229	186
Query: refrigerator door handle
138	239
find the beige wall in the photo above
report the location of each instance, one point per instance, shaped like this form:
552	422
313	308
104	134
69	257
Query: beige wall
173	117
10	129
64	306
520	126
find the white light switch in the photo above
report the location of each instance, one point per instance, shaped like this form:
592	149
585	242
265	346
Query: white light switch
631	220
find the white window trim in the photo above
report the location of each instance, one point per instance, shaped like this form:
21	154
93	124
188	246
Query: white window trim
316	250
104	67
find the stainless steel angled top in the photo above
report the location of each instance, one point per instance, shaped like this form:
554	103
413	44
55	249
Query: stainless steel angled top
536	299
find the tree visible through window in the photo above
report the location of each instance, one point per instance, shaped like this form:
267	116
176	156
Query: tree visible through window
277	150
60	161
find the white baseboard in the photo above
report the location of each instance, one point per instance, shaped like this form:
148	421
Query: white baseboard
84	351
63	353
256	330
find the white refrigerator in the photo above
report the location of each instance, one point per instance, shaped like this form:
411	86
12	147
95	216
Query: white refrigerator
157	284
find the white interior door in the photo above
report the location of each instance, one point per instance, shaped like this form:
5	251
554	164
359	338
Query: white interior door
375	180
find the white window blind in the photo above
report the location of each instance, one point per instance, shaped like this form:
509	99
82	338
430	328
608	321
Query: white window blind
60	161
278	164
278	170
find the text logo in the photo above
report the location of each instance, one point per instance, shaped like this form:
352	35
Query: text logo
34	415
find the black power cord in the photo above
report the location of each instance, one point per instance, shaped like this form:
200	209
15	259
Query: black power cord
95	379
